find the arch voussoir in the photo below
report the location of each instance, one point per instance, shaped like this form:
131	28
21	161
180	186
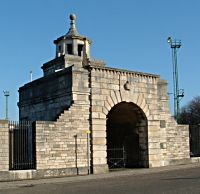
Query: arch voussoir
117	97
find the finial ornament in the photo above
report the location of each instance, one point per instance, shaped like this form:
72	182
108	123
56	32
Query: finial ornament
72	16
73	19
72	30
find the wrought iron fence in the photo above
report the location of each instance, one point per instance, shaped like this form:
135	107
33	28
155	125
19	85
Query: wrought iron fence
22	145
116	157
195	140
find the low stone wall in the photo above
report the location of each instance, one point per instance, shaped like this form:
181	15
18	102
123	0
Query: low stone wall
58	153
60	144
55	148
4	146
38	174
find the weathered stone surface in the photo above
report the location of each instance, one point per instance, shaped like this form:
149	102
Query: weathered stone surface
4	145
78	100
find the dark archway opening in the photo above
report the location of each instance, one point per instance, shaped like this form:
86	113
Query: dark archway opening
127	141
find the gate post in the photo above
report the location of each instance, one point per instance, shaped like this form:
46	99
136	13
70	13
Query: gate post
4	148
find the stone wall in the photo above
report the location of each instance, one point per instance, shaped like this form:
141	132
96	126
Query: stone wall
174	138
58	142
166	139
94	91
44	99
51	66
62	146
79	98
4	146
177	141
112	86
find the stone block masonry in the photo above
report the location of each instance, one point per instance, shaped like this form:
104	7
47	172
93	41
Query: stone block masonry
63	144
150	94
4	146
45	98
120	109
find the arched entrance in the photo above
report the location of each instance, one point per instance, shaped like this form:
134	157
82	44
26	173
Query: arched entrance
127	138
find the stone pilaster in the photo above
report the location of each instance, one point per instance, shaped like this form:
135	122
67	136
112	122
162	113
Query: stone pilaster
4	145
154	143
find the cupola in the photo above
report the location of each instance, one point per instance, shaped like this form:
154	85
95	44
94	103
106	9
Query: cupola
72	43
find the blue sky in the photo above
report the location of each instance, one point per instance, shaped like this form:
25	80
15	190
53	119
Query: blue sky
128	34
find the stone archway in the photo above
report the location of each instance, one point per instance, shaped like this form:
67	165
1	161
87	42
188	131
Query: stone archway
127	137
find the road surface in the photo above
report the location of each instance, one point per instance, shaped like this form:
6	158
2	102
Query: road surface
174	181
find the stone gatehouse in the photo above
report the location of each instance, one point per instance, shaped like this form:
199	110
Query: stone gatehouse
80	99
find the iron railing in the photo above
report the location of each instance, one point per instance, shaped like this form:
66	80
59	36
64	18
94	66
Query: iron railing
195	140
116	157
22	145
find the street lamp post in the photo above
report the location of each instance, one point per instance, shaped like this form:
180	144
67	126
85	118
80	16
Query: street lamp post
178	93
6	94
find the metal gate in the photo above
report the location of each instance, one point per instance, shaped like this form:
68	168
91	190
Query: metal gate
21	145
116	157
195	140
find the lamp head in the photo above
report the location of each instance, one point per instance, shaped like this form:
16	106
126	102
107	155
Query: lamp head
169	39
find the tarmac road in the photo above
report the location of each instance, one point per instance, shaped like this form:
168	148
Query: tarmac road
171	180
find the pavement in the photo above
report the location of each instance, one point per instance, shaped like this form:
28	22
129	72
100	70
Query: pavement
111	174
